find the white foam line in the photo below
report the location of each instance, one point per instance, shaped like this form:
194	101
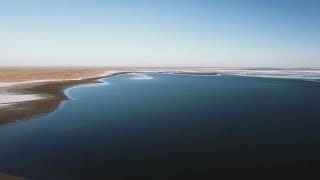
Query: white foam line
102	83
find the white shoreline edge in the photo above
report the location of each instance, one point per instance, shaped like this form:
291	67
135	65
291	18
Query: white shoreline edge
8	99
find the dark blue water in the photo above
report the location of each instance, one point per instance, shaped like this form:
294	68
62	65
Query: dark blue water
169	127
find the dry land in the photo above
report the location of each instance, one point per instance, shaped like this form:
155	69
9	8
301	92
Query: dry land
28	92
22	74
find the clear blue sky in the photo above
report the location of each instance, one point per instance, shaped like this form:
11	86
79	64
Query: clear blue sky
273	33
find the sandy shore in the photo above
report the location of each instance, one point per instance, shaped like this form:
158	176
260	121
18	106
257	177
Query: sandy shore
15	80
34	91
25	74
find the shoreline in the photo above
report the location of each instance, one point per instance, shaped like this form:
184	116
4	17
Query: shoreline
24	91
38	97
48	95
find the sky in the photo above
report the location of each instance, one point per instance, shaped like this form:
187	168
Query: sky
206	33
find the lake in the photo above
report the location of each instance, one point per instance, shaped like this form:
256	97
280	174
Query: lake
166	126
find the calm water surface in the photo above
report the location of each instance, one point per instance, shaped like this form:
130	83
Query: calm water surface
171	126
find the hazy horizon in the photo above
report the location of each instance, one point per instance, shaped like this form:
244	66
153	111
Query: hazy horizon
243	33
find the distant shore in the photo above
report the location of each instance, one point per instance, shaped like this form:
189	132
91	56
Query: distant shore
29	92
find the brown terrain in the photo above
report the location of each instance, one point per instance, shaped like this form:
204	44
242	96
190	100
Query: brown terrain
53	90
20	74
